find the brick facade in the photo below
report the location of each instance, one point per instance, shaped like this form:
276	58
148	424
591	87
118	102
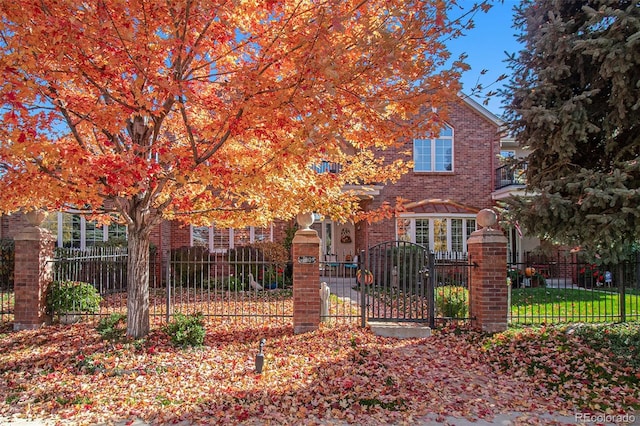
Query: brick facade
475	149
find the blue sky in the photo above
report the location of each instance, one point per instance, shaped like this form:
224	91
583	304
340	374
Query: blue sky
485	46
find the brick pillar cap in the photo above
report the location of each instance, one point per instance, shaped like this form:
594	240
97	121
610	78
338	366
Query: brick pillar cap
33	233
306	236
484	236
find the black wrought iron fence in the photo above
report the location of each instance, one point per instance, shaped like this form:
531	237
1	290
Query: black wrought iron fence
239	284
565	289
105	268
7	250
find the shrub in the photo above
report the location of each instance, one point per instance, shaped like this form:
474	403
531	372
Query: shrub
186	330
72	296
267	261
516	277
273	252
452	301
623	340
112	327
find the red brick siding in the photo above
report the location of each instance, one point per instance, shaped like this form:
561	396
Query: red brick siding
476	145
489	291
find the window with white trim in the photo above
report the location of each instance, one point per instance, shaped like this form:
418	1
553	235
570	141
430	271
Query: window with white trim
440	234
219	240
74	231
434	155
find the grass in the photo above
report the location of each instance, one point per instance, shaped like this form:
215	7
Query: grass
559	305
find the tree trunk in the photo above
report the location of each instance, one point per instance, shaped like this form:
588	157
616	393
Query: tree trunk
138	283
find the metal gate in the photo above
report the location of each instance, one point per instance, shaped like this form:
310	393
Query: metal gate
398	281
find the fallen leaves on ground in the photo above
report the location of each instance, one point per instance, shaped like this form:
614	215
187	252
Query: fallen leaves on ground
338	374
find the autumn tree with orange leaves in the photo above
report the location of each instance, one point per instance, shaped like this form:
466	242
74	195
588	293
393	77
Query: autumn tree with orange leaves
212	111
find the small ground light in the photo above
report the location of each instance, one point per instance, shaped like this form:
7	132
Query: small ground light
260	357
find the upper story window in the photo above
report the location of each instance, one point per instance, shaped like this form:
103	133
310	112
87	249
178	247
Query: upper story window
434	155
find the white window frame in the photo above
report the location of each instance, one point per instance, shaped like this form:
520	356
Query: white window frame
231	242
432	143
431	218
83	229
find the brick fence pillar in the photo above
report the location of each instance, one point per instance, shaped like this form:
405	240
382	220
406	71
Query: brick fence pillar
32	273
489	293
306	277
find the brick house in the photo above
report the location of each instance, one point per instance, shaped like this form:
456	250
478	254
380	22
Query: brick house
454	177
452	180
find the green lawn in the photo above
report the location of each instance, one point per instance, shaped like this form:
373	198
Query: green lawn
558	305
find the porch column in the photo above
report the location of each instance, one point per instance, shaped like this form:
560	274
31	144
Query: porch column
306	277
489	292
33	273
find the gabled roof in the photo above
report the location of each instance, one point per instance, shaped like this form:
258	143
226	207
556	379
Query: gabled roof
481	110
437	205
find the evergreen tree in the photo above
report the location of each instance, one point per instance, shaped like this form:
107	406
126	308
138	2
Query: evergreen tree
574	101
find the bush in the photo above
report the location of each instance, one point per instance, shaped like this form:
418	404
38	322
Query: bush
452	301
186	330
267	261
72	296
113	327
516	277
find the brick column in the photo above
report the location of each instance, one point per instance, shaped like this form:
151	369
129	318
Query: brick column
489	292
306	277
33	251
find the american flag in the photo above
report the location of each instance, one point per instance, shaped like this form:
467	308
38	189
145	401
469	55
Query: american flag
518	230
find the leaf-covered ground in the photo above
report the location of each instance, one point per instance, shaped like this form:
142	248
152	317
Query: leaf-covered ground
340	374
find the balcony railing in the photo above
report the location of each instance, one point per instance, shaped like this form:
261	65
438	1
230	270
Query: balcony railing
335	168
327	167
511	174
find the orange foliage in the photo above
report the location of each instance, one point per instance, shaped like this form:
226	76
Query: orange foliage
212	108
212	111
